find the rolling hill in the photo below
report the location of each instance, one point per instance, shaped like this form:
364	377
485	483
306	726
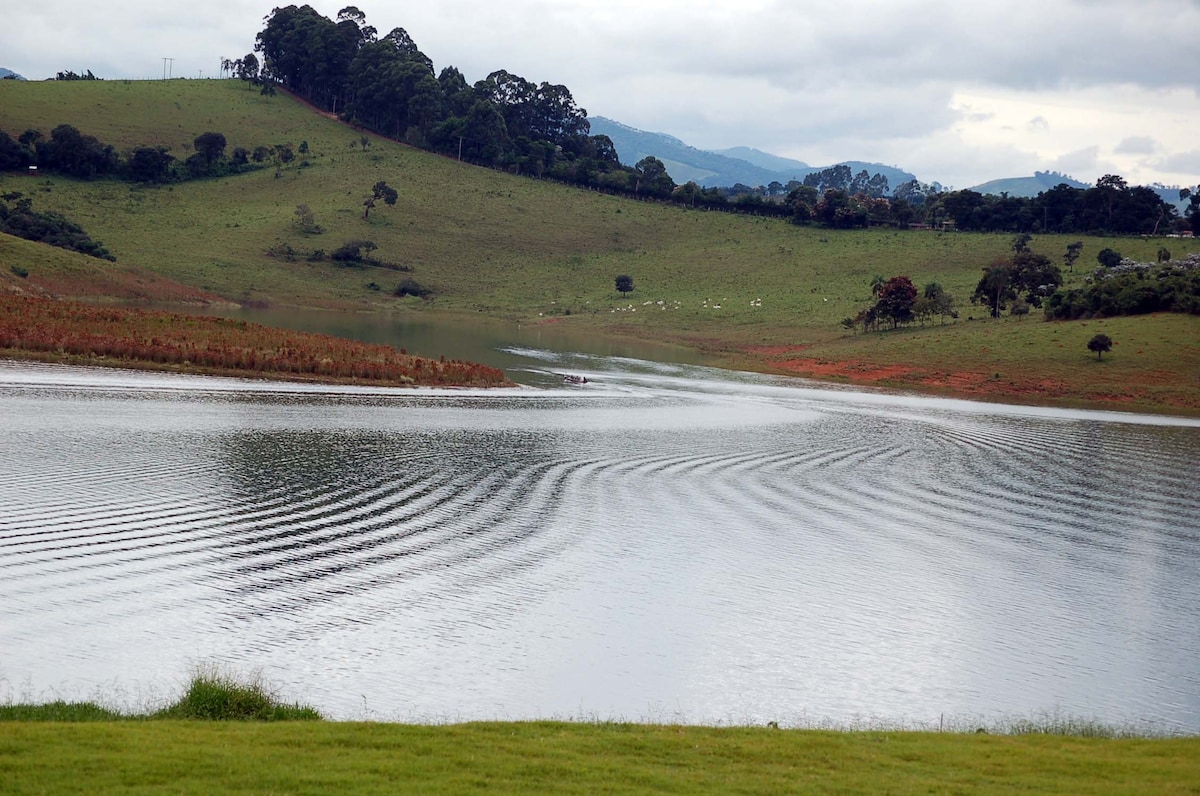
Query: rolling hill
755	290
1045	180
1028	186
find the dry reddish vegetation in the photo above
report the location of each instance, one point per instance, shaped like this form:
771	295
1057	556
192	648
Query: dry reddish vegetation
1031	387
58	330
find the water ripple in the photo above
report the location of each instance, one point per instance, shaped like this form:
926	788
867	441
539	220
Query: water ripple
732	545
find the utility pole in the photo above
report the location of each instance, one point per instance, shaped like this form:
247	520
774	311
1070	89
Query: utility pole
167	61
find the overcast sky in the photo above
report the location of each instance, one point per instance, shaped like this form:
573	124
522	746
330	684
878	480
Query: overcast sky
957	91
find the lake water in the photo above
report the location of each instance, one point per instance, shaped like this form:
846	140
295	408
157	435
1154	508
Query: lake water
668	542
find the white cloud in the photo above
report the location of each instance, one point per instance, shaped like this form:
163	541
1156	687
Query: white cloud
1137	145
1182	163
1081	164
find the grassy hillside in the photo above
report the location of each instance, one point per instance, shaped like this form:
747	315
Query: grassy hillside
489	242
51	272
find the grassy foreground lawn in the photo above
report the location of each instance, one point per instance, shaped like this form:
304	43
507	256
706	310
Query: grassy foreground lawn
322	757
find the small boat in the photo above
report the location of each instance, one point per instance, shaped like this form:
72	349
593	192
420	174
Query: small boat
573	379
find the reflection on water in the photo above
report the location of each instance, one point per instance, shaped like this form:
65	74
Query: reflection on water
667	542
483	340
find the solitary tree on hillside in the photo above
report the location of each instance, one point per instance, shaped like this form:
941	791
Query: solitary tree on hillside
624	284
995	287
380	190
306	220
1073	250
1100	343
247	69
896	300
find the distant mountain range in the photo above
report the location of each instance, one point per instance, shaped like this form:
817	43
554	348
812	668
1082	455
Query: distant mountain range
728	167
6	72
720	169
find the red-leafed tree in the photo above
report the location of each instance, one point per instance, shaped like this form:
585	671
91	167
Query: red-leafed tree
896	300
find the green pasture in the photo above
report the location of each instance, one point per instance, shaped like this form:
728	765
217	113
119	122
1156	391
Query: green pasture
321	757
1154	365
231	733
493	243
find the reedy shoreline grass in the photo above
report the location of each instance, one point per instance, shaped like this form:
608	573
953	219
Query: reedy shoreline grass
63	331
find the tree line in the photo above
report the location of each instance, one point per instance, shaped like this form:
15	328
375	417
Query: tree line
1112	207
18	218
1132	288
1026	279
387	85
69	152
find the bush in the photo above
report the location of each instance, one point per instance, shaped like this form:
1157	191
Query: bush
352	251
1109	258
217	695
409	287
19	271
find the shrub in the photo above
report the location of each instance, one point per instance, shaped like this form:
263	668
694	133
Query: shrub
217	695
352	251
409	287
1109	258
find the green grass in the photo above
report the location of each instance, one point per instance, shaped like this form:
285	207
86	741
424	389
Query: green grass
539	757
58	710
232	734
1153	365
491	243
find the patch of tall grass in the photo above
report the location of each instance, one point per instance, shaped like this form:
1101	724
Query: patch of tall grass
218	695
212	694
58	710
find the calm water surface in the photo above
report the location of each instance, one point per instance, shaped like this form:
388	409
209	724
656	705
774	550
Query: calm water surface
668	542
